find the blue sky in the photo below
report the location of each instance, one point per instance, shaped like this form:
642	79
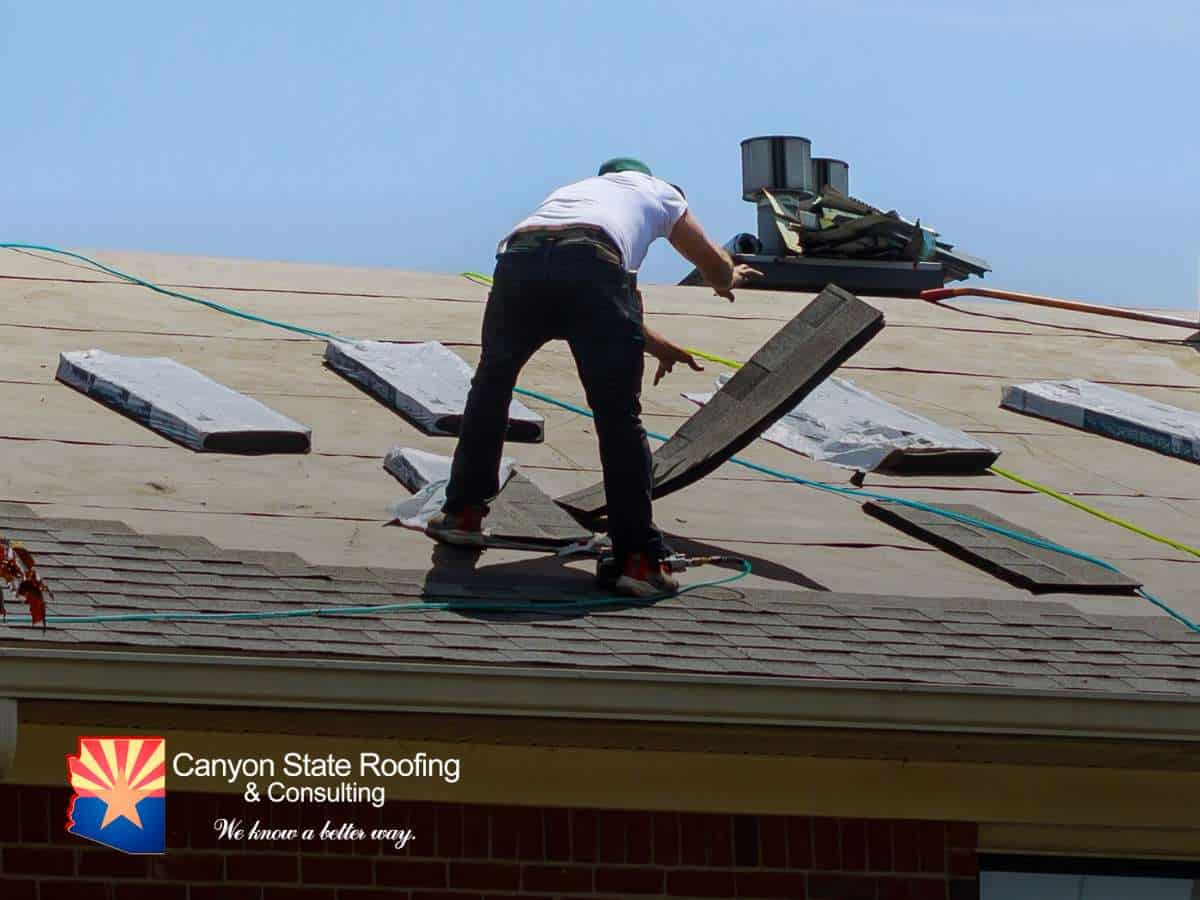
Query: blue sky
1059	140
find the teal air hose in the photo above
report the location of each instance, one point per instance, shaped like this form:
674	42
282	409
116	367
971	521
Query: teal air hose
820	485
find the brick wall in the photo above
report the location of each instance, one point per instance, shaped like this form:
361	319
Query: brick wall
464	852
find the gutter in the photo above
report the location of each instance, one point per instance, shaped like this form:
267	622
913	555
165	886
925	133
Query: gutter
652	696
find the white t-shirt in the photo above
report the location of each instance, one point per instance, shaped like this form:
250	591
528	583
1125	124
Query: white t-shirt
632	208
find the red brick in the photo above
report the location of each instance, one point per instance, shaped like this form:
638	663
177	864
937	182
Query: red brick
422	819
583	835
913	889
693	842
639	838
610	829
202	812
840	887
719	830
262	867
486	876
787	885
556	825
700	883
18	889
289	893
445	895
107	864
570	879
505	837
35	815
530	833
879	846
963	863
800	842
178	821
449	830
410	873
74	890
477	835
372	894
854	844
10	822
150	892
666	839
962	835
224	892
905	857
629	879
772	842
826	853
931	844
335	870
38	861
188	867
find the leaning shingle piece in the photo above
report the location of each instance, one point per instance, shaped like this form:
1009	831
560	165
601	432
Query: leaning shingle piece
182	404
1107	411
1025	565
802	354
426	383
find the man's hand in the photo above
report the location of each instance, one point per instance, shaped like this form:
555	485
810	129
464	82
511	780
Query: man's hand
667	355
741	274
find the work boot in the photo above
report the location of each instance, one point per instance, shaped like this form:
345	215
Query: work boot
645	576
464	529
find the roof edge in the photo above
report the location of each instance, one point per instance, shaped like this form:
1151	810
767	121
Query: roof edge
210	680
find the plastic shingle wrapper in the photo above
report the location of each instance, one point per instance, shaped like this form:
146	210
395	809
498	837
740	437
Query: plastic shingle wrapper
842	424
426	383
182	404
1107	411
426	475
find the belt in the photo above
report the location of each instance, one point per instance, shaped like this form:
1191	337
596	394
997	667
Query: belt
541	238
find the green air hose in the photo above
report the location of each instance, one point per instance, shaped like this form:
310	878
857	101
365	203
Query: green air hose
835	489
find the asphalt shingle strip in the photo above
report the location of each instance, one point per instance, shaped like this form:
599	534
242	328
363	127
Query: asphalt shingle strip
785	634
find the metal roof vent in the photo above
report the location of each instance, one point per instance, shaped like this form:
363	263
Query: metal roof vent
782	165
832	172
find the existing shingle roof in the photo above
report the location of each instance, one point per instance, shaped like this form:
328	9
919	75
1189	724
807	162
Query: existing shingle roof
104	567
73	459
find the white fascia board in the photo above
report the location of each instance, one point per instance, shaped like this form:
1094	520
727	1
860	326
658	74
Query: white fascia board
274	683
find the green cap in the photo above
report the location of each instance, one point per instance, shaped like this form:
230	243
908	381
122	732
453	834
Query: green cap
624	164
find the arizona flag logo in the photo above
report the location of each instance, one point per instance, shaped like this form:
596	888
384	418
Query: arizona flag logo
120	793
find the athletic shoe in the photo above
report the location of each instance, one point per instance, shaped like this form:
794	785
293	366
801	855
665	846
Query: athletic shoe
645	576
463	529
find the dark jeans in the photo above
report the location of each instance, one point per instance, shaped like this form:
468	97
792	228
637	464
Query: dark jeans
564	292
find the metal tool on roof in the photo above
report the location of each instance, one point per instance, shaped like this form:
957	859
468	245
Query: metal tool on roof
607	570
811	232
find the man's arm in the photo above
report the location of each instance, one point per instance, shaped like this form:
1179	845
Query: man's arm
667	354
714	263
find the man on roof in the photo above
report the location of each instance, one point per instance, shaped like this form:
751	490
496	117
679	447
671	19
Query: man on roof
569	271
